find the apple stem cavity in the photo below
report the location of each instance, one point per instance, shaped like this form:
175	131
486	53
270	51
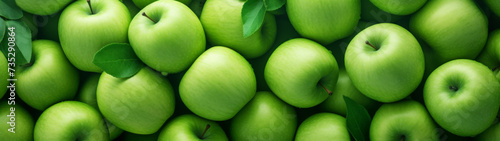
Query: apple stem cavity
205	131
453	88
90	6
328	91
144	14
403	138
368	43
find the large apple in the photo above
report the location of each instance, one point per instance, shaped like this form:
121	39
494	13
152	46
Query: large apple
222	22
49	78
323	127
17	123
324	21
42	7
139	104
399	7
490	56
385	62
452	28
192	128
265	117
167	36
462	97
405	120
83	30
218	84
70	120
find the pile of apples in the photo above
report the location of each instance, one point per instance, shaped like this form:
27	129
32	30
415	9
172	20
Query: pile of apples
418	70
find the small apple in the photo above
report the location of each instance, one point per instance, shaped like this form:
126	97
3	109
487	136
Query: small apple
140	104
167	36
462	97
301	72
222	22
404	120
490	56
87	26
70	120
265	117
42	7
17	123
385	62
218	84
48	79
323	127
399	7
192	128
324	21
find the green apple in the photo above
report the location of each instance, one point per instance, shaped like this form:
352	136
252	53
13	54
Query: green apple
404	120
336	104
143	3
4	75
324	21
167	36
494	6
17	123
490	56
42	7
491	134
218	84
192	128
222	22
84	31
452	28
399	7
140	104
48	79
301	72
323	127
385	62
70	120
87	94
265	117
372	13
462	97
133	10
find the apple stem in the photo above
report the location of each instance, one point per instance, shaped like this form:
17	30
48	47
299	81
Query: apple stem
328	91
90	6
368	43
144	14
205	131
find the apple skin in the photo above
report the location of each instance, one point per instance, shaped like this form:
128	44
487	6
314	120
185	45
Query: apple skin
393	70
226	82
143	3
70	120
323	127
82	34
87	94
4	75
336	104
404	120
454	29
494	6
190	128
399	7
324	21
24	123
223	26
491	134
173	43
139	104
462	97
50	79
490	56
44	7
265	117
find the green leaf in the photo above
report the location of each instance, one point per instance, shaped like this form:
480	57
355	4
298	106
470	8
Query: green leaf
252	15
17	32
358	120
272	5
2	29
10	10
118	60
